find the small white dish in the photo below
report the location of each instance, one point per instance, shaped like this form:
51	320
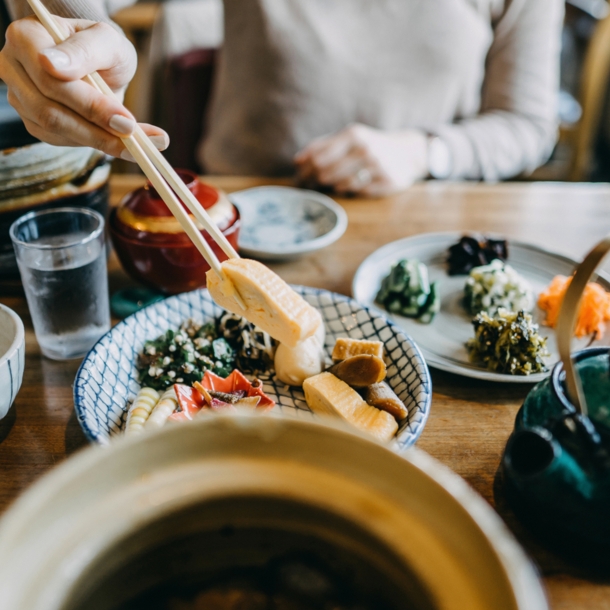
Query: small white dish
280	222
12	357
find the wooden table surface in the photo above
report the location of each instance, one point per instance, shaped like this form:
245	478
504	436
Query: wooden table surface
470	420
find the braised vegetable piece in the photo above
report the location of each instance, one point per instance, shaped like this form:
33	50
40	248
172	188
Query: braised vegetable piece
163	409
184	355
472	252
140	410
497	285
508	343
254	348
594	309
360	371
328	395
382	396
345	348
406	291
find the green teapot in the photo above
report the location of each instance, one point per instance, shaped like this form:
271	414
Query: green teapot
556	464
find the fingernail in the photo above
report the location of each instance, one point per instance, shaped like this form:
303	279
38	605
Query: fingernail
122	124
127	156
160	142
59	59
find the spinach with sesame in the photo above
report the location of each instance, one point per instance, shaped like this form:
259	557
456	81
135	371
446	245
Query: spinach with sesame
183	356
508	342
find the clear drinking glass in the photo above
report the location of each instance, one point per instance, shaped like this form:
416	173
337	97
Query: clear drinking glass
61	255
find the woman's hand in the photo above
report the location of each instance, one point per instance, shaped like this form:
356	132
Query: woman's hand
45	86
365	161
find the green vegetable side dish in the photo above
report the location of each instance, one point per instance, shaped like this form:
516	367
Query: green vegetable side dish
495	286
184	355
508	343
407	291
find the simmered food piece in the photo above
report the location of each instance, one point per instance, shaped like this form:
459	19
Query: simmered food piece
406	291
508	343
140	410
472	252
270	303
382	396
594	309
326	394
360	371
163	409
293	365
254	348
497	285
345	348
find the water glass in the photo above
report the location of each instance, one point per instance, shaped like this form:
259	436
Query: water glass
61	255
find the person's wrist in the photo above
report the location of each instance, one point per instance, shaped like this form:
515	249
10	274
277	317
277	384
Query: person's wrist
440	163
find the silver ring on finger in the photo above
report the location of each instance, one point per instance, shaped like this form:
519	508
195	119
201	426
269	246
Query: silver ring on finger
364	177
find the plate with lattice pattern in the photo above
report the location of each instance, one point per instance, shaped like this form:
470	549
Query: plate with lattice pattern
107	380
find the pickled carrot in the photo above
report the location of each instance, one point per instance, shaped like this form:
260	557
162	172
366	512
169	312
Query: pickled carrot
594	308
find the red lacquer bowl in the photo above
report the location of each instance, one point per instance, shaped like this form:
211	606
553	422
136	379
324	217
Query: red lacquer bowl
151	244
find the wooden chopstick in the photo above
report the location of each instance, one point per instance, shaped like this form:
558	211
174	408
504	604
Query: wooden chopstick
155	166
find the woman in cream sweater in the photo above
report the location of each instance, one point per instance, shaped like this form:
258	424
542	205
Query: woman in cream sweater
364	96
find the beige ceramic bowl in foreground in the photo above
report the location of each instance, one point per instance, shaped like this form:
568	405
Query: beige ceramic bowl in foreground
12	357
87	535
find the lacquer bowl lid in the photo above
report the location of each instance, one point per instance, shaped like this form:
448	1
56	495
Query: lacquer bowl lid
143	215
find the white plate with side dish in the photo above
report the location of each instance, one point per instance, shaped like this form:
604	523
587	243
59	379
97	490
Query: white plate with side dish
280	222
107	380
443	341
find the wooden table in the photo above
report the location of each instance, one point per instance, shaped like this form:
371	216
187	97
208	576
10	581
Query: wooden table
470	420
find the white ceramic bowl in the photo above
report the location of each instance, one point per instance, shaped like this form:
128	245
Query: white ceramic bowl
107	380
12	357
236	491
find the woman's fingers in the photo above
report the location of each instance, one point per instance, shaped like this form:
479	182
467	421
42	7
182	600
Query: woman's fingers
45	83
61	126
91	48
53	117
157	136
364	160
321	153
33	48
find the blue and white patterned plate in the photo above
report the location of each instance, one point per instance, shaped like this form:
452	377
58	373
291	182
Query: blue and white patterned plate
107	379
280	222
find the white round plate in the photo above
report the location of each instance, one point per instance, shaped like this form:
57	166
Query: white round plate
280	222
108	380
443	341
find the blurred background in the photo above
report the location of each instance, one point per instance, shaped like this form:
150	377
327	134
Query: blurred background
179	42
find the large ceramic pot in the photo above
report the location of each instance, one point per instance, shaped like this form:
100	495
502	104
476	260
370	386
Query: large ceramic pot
151	244
313	514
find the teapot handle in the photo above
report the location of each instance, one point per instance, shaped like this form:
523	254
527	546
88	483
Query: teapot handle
567	320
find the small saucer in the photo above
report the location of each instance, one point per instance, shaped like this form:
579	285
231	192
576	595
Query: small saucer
280	222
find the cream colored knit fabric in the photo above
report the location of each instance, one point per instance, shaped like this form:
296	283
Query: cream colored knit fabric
482	74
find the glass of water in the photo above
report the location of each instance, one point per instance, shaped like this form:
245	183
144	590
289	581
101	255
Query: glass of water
61	255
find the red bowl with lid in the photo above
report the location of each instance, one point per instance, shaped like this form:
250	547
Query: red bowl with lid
152	246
